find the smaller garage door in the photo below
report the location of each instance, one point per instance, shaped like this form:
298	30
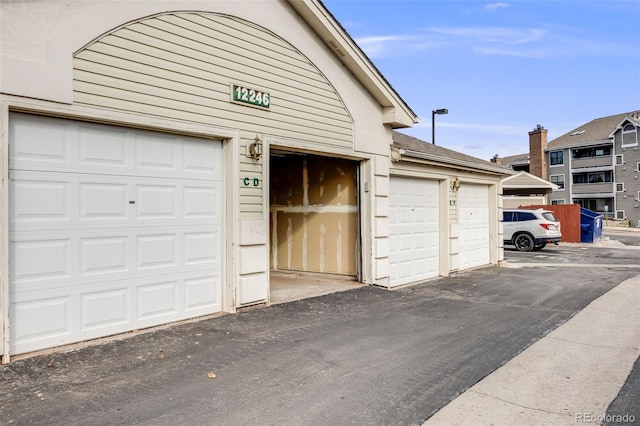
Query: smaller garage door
473	205
413	230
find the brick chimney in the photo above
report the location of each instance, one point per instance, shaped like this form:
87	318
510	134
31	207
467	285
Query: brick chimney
496	160
537	158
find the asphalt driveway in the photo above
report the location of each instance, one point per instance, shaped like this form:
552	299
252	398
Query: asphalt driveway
365	356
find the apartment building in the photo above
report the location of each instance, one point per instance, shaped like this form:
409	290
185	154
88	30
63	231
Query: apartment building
595	165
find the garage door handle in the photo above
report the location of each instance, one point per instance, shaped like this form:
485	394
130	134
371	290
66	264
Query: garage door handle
132	202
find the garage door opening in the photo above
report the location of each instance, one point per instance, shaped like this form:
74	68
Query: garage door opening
314	225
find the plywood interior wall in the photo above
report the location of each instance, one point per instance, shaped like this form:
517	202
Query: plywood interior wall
314	214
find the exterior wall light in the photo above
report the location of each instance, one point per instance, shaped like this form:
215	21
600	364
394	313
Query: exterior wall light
255	149
455	185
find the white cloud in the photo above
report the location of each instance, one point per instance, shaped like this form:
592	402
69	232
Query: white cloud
479	128
384	45
531	42
494	34
495	6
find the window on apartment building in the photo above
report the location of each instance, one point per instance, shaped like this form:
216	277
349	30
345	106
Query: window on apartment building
620	215
620	187
556	202
620	160
629	136
595	177
558	180
556	158
599	151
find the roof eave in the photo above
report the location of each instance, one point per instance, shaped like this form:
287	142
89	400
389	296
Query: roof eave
410	155
620	126
395	111
578	145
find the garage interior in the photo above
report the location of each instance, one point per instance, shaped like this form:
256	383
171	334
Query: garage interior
314	225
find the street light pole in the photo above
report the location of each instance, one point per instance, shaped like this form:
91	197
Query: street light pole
433	122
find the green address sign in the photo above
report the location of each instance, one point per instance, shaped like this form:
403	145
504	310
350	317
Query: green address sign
250	96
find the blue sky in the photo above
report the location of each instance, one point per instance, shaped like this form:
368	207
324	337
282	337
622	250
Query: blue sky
501	68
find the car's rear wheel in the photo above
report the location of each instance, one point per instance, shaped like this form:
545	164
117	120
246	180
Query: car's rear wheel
523	242
539	246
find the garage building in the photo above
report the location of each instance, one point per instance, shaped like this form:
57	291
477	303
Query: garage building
160	159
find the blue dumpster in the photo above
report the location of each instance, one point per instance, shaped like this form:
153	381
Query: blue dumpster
590	226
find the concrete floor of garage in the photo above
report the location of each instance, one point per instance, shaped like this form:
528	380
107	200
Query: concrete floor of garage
290	285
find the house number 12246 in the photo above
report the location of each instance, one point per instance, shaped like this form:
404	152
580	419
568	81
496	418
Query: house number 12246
251	96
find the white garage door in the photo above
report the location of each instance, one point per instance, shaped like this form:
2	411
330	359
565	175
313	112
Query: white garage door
473	207
413	230
111	229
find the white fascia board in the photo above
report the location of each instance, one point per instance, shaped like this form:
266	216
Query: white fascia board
542	183
396	112
621	125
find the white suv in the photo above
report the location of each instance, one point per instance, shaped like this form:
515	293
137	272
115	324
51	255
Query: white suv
530	229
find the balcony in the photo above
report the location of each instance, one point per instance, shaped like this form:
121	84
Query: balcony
592	188
580	163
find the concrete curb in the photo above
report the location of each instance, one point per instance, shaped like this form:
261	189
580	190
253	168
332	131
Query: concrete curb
569	376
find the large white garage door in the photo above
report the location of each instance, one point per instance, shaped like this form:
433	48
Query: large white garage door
111	229
473	207
413	230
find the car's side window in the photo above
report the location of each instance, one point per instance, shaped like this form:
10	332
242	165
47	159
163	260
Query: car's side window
523	216
507	216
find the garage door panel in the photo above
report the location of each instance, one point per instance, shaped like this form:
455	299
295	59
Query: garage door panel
42	259
157	300
99	200
103	146
40	319
201	247
199	295
104	309
110	150
474	225
414	230
201	159
94	253
46	318
200	202
26	143
40	200
157	251
157	153
104	255
156	202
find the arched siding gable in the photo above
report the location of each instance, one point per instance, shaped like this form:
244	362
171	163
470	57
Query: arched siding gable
180	66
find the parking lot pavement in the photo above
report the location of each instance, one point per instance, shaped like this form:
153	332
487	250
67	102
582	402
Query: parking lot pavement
569	376
368	355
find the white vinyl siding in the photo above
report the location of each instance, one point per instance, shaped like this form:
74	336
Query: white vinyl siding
180	67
